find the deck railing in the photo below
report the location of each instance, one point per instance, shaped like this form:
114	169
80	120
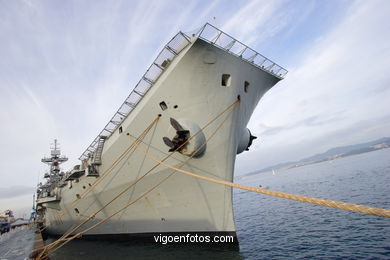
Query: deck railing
159	65
227	43
170	51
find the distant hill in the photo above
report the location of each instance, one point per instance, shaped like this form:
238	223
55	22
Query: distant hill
344	149
331	154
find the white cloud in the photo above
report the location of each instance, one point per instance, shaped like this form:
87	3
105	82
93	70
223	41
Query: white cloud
20	205
342	76
257	21
67	66
251	16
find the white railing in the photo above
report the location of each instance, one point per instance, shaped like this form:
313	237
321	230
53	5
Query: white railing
208	33
213	35
165	57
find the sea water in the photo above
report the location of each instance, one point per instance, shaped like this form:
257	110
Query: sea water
274	228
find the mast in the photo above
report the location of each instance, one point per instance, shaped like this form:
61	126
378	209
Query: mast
54	161
54	175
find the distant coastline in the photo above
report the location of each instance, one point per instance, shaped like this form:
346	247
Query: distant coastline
331	154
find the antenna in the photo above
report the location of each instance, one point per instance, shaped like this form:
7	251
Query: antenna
55	150
215	21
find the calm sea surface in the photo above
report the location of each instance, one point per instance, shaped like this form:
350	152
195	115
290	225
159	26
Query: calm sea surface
273	228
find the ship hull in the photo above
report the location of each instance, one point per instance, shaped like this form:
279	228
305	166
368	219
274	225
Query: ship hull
157	199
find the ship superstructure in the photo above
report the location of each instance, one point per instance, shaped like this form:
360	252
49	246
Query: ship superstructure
190	110
50	190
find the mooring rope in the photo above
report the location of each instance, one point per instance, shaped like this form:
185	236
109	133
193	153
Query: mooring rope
107	172
322	202
134	145
119	159
66	239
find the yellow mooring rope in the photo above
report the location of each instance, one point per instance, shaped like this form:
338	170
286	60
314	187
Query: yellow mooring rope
66	238
322	202
42	252
106	173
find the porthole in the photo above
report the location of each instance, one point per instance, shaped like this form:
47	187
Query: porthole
163	106
246	86
226	80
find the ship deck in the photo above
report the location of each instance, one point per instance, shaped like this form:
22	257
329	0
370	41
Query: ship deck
171	50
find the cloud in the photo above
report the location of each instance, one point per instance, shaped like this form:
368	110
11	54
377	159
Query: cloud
312	121
336	94
335	74
67	66
253	16
20	205
15	191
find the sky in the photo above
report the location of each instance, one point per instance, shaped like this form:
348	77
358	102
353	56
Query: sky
67	66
